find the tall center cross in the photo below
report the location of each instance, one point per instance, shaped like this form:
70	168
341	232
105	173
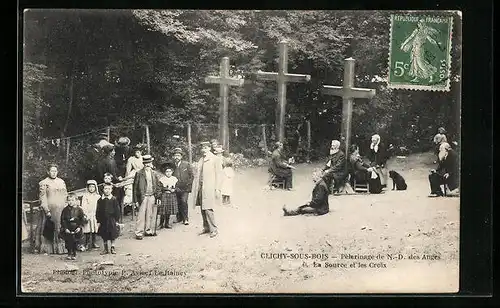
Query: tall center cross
282	77
225	81
348	93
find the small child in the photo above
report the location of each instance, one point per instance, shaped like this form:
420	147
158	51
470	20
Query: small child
227	182
88	205
71	225
107	215
109	179
439	138
168	209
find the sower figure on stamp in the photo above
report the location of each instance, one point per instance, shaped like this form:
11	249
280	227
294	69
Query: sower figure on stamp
319	202
146	193
207	188
184	174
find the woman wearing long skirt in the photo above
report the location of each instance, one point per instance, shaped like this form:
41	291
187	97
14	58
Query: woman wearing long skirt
53	194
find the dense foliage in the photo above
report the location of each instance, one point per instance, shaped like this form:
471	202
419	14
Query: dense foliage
85	70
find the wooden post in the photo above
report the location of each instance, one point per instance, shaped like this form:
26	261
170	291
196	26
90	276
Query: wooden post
348	93
282	77
32	239
264	139
308	141
108	131
148	140
190	150
68	142
224	80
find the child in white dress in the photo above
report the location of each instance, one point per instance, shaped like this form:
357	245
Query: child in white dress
227	182
89	205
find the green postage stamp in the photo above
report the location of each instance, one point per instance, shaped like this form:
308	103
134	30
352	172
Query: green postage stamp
420	52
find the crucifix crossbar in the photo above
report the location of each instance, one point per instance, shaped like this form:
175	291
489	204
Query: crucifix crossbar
282	77
224	80
348	93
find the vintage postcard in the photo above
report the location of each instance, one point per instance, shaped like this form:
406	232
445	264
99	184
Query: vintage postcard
240	151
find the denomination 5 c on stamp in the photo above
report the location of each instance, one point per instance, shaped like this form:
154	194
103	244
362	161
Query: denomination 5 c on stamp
420	52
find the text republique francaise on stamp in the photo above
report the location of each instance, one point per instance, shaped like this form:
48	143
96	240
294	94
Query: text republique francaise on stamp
420	52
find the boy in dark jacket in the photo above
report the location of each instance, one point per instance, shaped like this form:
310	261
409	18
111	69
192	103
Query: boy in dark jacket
71	225
319	202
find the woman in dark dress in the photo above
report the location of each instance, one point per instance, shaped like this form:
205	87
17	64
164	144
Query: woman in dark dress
279	168
107	216
363	172
377	155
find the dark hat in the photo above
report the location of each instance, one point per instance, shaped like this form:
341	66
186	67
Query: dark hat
147	159
204	143
108	148
123	141
166	165
138	147
177	151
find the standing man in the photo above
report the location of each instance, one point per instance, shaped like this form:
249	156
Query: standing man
207	188
184	174
146	193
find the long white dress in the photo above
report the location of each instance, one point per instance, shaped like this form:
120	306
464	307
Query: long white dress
89	205
227	182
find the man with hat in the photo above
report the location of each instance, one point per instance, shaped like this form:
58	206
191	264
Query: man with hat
122	152
207	188
146	194
107	163
184	174
103	140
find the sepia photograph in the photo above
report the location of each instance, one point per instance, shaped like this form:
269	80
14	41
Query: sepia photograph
240	151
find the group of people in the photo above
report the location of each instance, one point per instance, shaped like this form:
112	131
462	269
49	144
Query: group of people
335	175
67	224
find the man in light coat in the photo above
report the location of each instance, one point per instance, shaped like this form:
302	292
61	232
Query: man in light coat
207	188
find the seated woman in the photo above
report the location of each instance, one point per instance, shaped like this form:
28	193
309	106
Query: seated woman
279	168
361	172
447	172
377	155
319	202
336	166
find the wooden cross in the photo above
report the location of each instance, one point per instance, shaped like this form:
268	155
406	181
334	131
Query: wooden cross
348	93
282	78
225	81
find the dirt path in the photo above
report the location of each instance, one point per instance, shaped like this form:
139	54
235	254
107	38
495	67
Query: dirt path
239	259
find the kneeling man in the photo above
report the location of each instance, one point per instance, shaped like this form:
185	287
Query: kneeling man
319	202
